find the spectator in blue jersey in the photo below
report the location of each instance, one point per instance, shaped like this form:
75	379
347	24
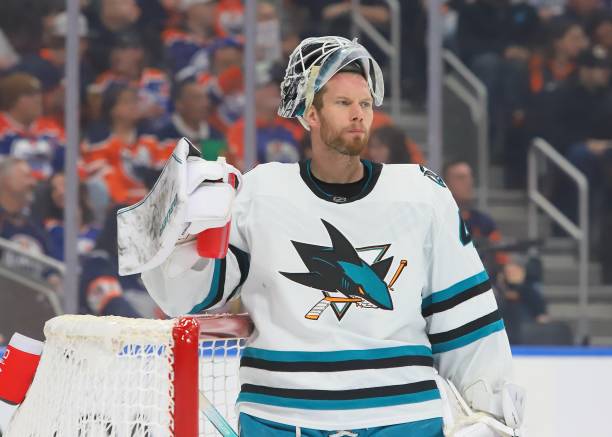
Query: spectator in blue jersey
23	132
129	64
191	111
49	207
49	63
586	12
517	289
102	291
187	48
16	194
106	18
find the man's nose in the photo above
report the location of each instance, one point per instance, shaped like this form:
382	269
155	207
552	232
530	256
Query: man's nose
356	112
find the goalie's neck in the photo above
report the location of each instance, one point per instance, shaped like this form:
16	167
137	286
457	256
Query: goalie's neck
338	169
342	192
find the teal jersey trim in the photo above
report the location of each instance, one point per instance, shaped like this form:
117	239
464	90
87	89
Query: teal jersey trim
352	404
454	290
468	338
252	426
212	293
331	356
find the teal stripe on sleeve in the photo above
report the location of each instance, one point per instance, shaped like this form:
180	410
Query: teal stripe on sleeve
331	356
456	289
351	404
468	338
212	293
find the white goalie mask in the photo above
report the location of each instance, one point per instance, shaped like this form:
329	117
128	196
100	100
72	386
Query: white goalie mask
314	62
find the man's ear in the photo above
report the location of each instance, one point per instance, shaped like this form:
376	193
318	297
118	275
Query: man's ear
312	116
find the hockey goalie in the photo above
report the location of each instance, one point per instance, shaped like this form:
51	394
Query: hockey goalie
373	313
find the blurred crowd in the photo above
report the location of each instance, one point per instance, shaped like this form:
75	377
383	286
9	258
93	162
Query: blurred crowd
153	71
546	66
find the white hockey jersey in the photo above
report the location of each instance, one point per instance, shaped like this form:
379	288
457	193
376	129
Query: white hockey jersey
354	300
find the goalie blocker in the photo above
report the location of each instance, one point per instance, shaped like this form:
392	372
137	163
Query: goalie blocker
191	197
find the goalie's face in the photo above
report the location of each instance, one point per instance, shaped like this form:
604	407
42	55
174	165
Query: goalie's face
344	118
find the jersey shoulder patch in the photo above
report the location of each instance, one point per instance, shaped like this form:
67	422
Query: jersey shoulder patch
432	176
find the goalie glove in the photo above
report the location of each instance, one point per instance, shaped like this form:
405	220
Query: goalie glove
190	196
490	414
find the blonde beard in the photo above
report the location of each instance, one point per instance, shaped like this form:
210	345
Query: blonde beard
335	141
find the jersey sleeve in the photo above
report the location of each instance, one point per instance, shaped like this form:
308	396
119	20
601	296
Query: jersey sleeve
464	326
209	283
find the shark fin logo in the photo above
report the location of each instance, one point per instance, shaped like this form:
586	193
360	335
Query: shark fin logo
343	276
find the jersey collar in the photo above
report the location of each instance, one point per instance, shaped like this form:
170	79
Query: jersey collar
372	170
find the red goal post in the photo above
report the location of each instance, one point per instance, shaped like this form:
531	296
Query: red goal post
115	376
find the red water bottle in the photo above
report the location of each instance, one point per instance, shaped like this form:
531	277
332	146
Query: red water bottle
213	242
18	367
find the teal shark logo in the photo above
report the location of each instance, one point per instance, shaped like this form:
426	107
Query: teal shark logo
343	276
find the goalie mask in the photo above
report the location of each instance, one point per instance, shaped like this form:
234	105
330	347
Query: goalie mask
314	62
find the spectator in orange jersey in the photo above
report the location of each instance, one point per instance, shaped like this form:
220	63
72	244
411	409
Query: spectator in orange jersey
277	138
389	145
565	41
230	17
530	98
128	64
23	133
117	153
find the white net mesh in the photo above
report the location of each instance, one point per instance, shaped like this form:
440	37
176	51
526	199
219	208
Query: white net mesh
219	363
110	376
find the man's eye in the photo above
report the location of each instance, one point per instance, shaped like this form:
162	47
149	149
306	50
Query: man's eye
366	104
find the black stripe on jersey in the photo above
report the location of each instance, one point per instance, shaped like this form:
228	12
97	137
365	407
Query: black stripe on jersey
221	285
438	307
465	329
360	393
336	366
244	263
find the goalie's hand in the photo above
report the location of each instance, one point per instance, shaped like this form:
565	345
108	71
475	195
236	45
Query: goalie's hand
211	189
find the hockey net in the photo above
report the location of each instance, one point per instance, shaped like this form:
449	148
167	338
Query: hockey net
115	377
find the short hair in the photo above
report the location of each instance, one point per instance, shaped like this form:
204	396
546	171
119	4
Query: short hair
110	96
353	67
15	85
179	87
395	139
452	163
